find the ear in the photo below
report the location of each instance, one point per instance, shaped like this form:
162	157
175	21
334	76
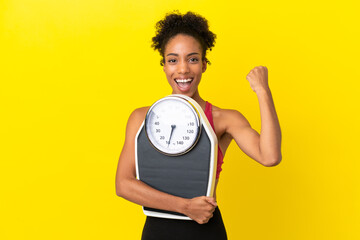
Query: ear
204	66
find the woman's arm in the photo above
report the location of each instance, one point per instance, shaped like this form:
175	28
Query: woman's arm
199	209
266	147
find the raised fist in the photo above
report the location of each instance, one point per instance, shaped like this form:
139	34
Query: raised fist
258	78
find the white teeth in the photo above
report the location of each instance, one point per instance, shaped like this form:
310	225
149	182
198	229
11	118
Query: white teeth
183	80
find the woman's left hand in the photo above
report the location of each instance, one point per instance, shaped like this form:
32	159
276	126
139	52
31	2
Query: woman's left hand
258	78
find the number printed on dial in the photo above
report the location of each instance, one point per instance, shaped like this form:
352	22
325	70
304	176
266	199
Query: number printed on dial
172	125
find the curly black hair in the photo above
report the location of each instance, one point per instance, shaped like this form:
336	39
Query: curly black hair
191	24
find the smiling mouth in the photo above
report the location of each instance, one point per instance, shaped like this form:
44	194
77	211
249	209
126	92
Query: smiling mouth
183	83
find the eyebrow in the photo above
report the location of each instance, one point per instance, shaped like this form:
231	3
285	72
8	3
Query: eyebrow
175	54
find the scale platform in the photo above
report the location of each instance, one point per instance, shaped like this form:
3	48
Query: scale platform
189	175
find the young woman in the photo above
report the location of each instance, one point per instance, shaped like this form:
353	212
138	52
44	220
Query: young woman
182	41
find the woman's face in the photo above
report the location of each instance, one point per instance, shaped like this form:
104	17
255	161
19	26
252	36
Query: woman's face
183	64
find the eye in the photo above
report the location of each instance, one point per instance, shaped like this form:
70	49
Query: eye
193	60
171	60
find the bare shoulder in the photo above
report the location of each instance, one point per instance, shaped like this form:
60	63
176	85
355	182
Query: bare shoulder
139	113
136	118
229	117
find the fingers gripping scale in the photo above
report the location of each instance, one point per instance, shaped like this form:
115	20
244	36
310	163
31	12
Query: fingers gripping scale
176	151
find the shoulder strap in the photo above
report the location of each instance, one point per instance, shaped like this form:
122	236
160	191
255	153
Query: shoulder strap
208	113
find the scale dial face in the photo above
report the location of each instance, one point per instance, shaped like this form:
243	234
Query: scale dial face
172	126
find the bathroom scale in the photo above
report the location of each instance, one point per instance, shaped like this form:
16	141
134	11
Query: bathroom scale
176	151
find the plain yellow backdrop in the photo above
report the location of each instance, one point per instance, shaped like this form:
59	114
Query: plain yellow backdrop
73	71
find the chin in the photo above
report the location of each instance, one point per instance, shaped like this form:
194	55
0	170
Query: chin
188	93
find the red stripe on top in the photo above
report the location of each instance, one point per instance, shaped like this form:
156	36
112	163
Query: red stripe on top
208	113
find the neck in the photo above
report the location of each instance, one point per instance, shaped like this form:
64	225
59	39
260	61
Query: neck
199	100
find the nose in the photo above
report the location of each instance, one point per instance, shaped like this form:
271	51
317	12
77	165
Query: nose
183	67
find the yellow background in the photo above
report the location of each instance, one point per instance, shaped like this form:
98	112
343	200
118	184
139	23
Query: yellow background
73	71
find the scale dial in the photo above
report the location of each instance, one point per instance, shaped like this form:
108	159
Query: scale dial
172	125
